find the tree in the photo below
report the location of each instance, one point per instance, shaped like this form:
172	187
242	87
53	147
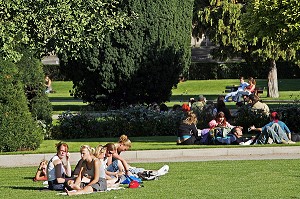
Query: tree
18	129
55	26
139	63
272	29
253	30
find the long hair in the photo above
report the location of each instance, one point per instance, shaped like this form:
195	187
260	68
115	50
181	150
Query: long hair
220	115
191	118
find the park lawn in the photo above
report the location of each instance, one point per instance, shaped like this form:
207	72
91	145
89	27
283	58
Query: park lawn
289	89
138	143
270	179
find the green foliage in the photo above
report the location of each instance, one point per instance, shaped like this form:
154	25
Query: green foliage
259	70
247	117
32	76
137	64
59	25
272	27
18	130
290	115
132	121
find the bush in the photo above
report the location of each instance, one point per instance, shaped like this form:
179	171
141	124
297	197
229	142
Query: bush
18	130
247	117
133	121
290	115
32	76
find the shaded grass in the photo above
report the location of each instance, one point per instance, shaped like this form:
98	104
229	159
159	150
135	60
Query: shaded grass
213	179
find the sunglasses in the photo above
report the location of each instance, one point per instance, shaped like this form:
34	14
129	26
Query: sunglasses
109	152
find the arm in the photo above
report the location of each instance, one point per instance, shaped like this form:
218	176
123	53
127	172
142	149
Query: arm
123	161
58	173
253	128
67	167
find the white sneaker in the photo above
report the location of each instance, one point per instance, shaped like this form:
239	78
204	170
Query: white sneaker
163	170
291	142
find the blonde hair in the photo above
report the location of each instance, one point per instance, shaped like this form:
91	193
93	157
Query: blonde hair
191	118
90	149
125	141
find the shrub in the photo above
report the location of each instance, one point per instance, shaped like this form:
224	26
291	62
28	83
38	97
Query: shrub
247	117
18	130
290	115
32	76
133	121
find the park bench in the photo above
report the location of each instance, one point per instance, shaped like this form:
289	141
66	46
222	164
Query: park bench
232	88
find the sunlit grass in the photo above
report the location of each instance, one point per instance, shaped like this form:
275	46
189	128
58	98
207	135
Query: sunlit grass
268	179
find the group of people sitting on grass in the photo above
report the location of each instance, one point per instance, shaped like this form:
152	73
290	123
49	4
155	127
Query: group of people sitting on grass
222	132
99	169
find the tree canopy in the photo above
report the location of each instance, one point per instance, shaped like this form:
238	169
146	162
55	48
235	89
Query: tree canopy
55	26
255	30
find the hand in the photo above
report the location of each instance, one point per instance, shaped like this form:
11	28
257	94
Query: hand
68	156
252	127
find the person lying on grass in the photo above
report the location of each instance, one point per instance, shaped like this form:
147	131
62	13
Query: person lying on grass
41	173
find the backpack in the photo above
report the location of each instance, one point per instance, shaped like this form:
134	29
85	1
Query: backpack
228	139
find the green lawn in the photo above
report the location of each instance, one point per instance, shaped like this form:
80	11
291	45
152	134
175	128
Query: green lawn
289	89
138	143
269	179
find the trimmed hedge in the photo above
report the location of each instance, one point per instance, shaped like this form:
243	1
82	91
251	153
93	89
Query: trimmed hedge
18	130
142	121
197	71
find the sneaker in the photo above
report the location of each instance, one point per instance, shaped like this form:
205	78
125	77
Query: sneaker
291	142
284	142
163	170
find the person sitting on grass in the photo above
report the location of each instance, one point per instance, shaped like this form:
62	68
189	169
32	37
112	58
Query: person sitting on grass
187	132
59	168
41	173
114	161
90	178
275	131
256	105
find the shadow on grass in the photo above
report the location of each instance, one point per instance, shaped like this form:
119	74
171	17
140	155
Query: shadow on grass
30	188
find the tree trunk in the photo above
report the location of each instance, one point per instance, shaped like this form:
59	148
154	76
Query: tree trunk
272	80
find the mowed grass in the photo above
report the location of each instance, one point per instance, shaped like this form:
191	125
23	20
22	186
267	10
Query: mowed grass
267	179
289	89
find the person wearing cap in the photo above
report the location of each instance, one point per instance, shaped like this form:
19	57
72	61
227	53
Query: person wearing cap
276	130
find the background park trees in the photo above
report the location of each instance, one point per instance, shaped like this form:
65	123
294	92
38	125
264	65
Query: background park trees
254	30
137	64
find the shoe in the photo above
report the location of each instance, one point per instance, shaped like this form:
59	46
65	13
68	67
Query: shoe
291	142
270	141
163	170
284	142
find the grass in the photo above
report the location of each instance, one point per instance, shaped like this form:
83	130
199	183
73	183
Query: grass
213	179
138	143
289	89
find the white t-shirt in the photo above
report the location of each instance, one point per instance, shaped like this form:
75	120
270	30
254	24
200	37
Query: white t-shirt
51	170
